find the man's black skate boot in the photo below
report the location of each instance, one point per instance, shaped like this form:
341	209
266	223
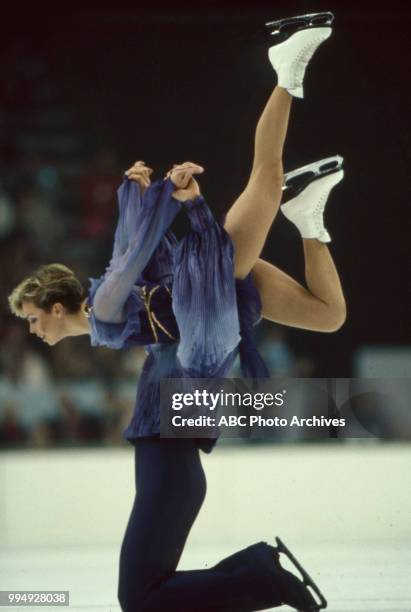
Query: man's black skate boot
296	592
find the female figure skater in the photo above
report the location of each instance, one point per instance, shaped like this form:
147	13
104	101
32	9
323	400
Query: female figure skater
193	305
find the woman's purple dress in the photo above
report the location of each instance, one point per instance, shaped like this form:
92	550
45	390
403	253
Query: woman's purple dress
178	299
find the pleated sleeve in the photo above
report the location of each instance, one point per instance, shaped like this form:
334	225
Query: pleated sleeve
204	295
143	221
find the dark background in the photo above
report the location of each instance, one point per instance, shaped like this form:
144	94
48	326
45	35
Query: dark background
166	83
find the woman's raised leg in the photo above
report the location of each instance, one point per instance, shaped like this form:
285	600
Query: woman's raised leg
250	217
320	307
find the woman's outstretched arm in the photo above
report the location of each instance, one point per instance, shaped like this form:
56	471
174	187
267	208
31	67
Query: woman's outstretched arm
129	210
204	292
143	220
146	212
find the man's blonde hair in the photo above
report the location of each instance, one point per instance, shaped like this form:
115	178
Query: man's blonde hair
46	286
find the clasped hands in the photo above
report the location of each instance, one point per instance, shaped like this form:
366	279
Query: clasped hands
182	175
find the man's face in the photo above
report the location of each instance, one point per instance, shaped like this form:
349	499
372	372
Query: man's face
49	326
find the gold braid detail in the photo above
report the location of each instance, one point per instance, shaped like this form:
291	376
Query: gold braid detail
150	314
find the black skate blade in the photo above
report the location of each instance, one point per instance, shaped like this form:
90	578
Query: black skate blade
315	169
307	580
289	25
297	180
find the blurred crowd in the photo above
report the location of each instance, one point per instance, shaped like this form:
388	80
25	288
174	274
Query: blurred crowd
70	394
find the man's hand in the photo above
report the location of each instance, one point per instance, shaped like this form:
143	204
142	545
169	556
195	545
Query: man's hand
140	173
182	177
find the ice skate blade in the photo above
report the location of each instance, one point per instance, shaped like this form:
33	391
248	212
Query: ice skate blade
318	168
289	25
306	578
298	180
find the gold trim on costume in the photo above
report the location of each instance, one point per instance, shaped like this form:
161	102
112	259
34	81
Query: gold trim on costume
150	314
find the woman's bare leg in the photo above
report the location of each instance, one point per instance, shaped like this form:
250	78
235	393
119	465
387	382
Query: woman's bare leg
250	217
321	307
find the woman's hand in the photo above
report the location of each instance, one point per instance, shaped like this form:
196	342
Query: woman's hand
182	177
140	173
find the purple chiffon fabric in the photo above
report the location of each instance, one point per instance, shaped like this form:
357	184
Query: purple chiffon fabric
207	312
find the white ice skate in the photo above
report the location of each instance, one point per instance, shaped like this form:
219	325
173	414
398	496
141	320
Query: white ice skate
296	40
307	190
